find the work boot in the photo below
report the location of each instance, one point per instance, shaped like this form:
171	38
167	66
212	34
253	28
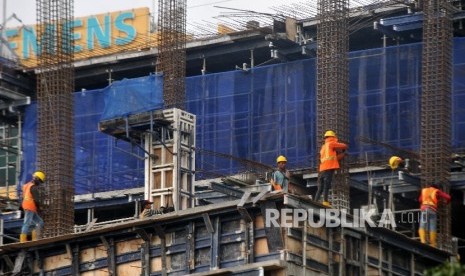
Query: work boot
326	204
23	237
33	235
432	238
422	234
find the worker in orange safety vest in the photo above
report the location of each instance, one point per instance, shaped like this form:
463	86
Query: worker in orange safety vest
331	153
429	199
31	206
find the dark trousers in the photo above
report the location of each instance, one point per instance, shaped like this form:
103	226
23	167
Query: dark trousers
324	183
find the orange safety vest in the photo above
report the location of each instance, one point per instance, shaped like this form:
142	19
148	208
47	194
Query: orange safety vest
28	201
429	198
328	154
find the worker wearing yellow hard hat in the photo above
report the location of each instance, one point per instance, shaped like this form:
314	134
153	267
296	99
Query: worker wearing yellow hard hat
280	178
31	205
394	162
331	152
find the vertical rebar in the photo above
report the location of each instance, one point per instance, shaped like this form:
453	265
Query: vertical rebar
55	127
172	51
333	85
435	149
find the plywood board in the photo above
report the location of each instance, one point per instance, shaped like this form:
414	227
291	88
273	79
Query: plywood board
91	254
128	246
261	247
293	245
317	254
99	272
57	261
373	250
259	222
155	264
129	269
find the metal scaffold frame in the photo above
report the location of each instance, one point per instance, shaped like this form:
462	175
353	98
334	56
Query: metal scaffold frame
55	125
435	149
333	85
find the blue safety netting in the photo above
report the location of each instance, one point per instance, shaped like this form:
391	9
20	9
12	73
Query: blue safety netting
101	162
132	96
261	113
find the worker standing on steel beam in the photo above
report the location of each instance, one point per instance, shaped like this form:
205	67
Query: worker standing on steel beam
429	199
280	178
31	205
331	152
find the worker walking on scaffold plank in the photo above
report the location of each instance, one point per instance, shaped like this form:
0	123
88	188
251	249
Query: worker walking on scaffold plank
429	199
331	152
31	205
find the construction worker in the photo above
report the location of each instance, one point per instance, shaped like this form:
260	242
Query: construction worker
147	210
31	206
429	199
331	152
395	162
280	178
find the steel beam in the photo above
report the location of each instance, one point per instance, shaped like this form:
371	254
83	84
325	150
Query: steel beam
403	19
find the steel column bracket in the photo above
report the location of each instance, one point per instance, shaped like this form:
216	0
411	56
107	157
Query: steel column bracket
259	196
75	261
244	198
40	261
143	234
208	223
111	260
274	236
19	261
240	207
161	234
245	214
8	262
159	231
145	251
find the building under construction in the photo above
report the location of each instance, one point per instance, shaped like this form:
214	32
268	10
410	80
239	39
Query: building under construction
195	123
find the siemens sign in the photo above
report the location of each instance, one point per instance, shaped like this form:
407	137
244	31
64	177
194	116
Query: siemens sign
93	35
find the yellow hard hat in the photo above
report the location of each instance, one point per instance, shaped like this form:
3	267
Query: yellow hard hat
330	133
281	159
394	162
40	175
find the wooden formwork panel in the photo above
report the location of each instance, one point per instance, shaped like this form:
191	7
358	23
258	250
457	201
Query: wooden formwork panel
129	269
294	245
100	272
317	254
128	246
373	251
53	262
261	247
156	264
93	253
259	222
318	232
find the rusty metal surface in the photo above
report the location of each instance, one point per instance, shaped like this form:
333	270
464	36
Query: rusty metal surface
172	51
55	127
333	85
